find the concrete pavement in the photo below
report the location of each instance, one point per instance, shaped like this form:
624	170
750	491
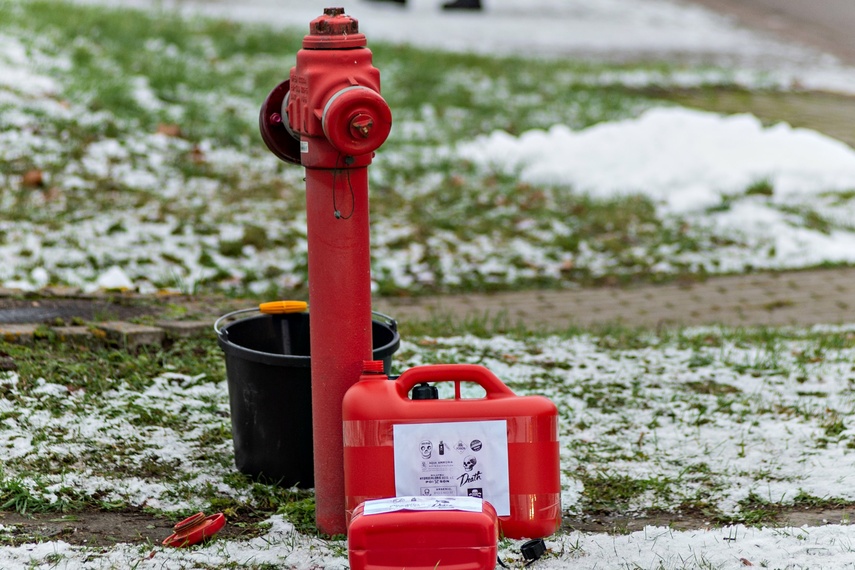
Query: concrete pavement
823	24
767	299
798	298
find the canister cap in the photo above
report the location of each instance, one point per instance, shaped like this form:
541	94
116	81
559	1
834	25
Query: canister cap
195	529
425	391
372	367
334	30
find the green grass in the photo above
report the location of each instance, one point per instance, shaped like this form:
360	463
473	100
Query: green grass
27	496
611	493
237	215
94	368
186	61
182	59
126	73
209	77
616	398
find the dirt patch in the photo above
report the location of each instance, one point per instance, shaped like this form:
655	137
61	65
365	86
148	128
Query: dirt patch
49	311
782	517
44	308
96	528
829	113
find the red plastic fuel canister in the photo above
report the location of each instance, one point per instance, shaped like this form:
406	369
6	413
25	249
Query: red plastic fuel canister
430	458
385	536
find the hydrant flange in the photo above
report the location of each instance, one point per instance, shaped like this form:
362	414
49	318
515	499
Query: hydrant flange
273	124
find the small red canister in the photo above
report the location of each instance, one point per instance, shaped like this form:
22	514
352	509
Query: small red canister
423	533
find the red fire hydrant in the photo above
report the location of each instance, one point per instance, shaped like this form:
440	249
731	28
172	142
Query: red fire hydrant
330	118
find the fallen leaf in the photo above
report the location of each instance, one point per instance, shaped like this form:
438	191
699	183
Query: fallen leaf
169	129
33	179
197	155
52	194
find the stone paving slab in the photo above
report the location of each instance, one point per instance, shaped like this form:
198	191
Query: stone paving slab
73	334
186	329
772	299
21	333
130	335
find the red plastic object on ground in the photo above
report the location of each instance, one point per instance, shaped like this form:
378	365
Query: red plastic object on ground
195	529
376	408
424	539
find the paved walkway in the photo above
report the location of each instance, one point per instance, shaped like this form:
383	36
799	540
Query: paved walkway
787	298
824	24
800	298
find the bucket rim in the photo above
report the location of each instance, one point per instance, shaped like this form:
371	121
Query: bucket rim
393	324
273	359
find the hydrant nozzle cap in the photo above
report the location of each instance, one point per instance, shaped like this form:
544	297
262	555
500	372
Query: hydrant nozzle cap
334	30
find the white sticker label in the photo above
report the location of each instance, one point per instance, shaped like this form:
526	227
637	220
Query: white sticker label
468	504
463	459
304	146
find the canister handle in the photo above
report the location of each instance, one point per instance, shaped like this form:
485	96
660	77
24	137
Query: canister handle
454	373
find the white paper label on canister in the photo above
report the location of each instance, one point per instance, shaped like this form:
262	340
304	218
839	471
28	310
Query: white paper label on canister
454	459
467	504
304	146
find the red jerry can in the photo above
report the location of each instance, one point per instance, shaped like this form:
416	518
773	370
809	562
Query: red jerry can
502	448
417	533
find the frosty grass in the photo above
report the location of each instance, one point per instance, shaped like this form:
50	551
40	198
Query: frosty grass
705	420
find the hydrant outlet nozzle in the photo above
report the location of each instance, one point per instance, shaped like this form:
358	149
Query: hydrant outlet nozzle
356	120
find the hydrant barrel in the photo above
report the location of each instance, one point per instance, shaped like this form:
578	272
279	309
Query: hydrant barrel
330	118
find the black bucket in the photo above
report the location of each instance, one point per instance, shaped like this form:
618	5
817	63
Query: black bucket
268	366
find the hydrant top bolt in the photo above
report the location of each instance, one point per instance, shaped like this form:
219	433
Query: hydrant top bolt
334	30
